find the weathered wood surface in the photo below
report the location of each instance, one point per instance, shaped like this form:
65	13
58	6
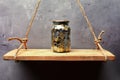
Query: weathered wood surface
48	55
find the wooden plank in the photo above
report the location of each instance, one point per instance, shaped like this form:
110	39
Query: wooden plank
47	54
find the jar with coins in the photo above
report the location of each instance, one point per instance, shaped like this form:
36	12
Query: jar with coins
60	34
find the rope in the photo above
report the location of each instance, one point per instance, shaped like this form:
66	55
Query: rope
103	52
86	18
91	29
24	41
21	45
32	19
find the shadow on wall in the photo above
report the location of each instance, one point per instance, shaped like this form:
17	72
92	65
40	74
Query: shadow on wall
115	66
62	70
112	43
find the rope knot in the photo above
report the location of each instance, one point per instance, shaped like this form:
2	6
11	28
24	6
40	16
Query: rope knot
21	40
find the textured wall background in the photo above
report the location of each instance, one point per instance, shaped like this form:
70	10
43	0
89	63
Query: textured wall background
15	16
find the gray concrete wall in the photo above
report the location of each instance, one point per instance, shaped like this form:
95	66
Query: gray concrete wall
15	16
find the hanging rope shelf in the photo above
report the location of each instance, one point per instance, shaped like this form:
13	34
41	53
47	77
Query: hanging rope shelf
98	54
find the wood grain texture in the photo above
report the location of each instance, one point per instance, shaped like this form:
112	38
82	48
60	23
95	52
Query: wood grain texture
48	55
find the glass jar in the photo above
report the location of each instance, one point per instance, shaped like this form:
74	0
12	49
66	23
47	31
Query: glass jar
60	34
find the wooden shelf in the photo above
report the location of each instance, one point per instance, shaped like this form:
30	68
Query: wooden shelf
48	55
